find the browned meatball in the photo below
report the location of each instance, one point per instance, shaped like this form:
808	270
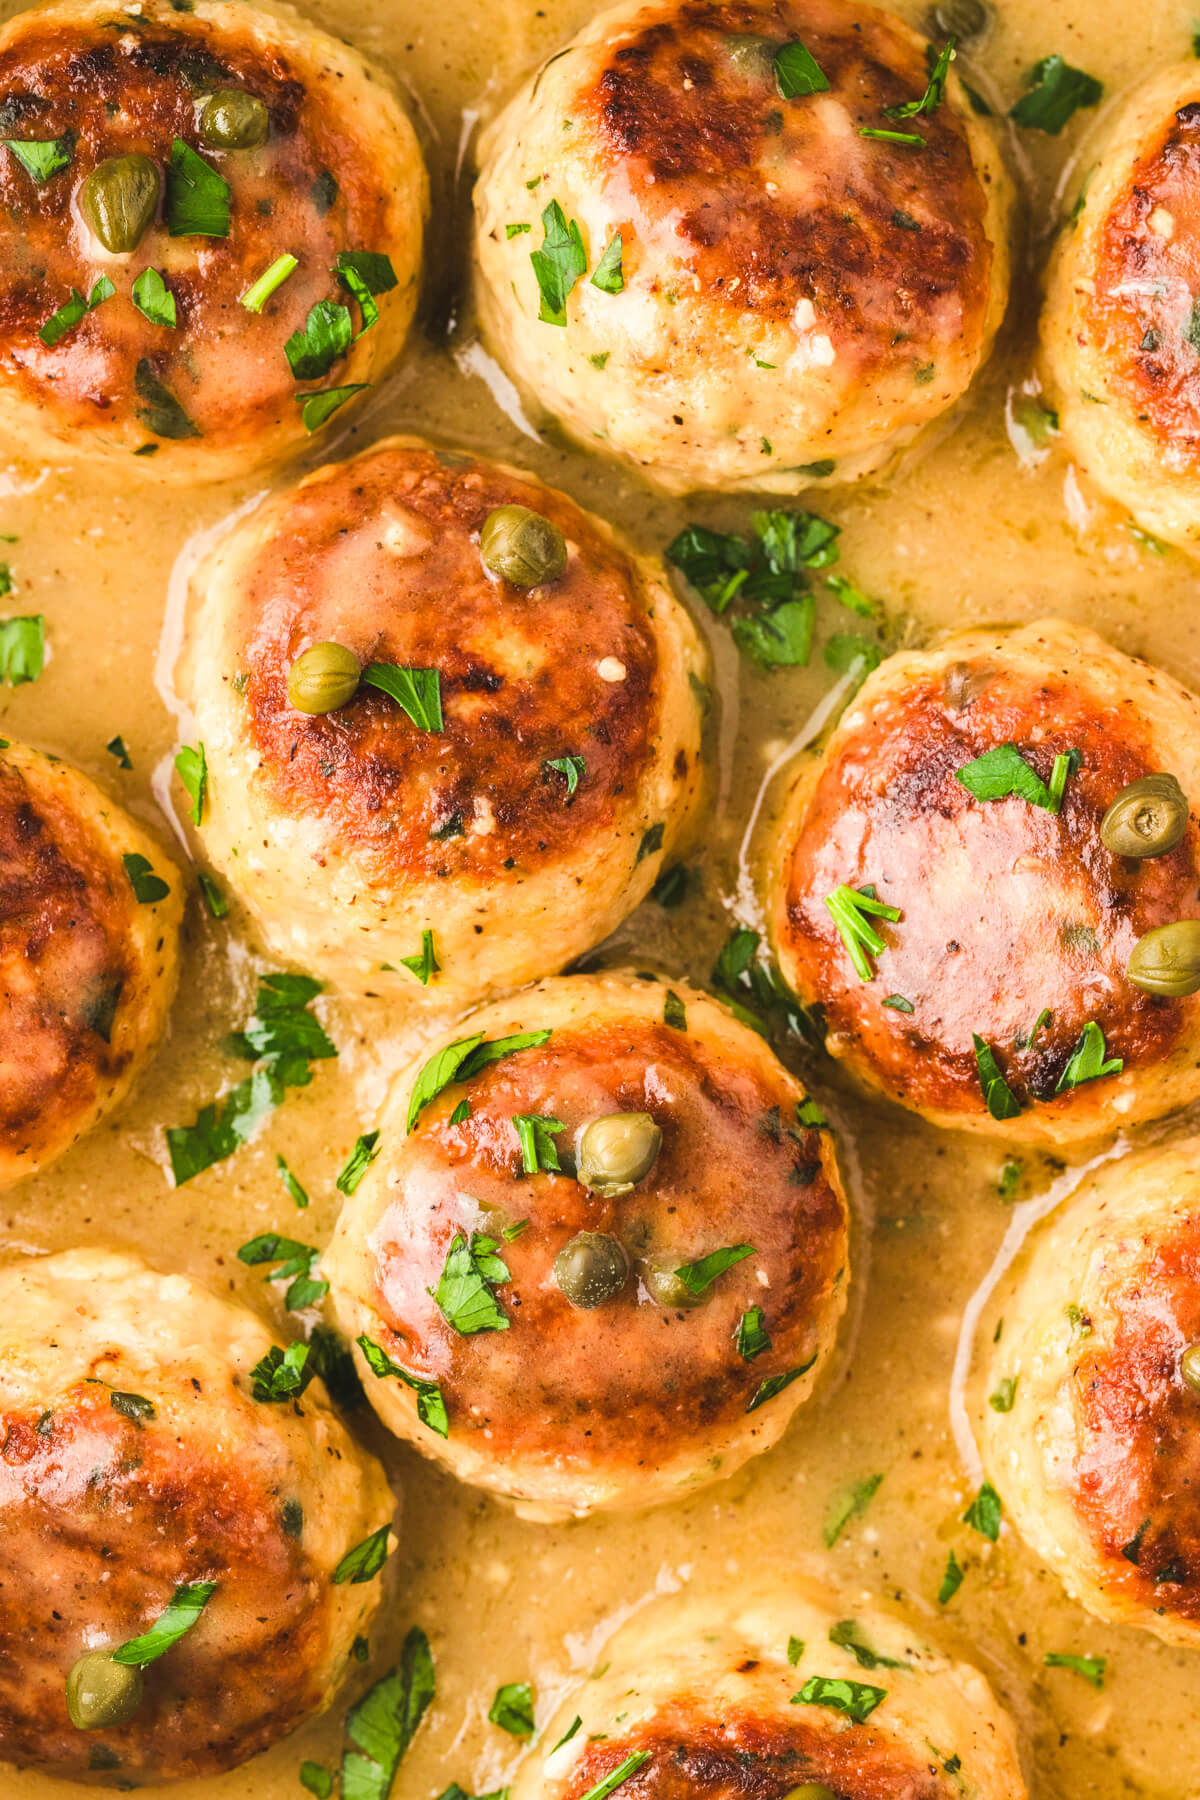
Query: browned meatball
87	969
206	391
531	817
135	1459
576	1398
1016	921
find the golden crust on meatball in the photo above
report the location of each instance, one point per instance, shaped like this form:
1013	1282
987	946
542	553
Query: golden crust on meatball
569	1400
566	768
786	291
135	1459
1121	331
205	391
1098	1460
708	1701
1017	922
87	970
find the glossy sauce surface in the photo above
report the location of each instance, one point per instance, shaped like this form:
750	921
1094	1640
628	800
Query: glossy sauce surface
969	532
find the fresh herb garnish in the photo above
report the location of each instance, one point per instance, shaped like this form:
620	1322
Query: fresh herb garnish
751	1337
536	1135
154	299
608	275
73	310
674	1011
1088	1060
134	1407
418	692
572	767
291	1186
283	1374
176	1619
296	1263
795	1650
22	648
1090	1667
671	886
365	273
366	1149
463	1060
316	1779
934	93
952	1580
984	1513
848	653
191	765
1003	771
117	747
849	1504
327	334
999	1098
847	1636
1005	1395
431	1407
384	1722
260	291
424	964
41	158
849	909
854	1698
559	264
797	72
148	888
877	132
775	1384
1056	90
698	1277
616	1778
464	1293
318	408
214	899
898	1003
765	572
512	1709
162	414
197	195
364	1562
569	1733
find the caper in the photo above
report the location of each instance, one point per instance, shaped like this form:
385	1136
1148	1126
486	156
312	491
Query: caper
1167	960
234	120
663	1284
521	547
959	19
101	1692
1147	818
118	200
322	678
591	1269
750	55
1189	1367
615	1152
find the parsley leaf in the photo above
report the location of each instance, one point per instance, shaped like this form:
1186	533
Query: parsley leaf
797	72
572	767
751	1337
846	653
848	908
365	273
431	1407
854	1698
1088	1062
327	335
559	264
197	195
162	413
148	888
191	765
512	1709
366	1149
177	1618
536	1135
1092	1668
291	1186
608	1784
22	648
674	1011
1005	1395
952	1580
73	310
154	299
418	692
999	1098
934	93
462	1060
609	276
260	291
365	1560
766	571
795	1650
315	1779
775	1384
984	1513
384	1722
1002	771
283	1374
424	964
41	158
214	899
849	1504
116	746
1056	90
464	1293
296	1263
847	1636
698	1277
320	407
780	638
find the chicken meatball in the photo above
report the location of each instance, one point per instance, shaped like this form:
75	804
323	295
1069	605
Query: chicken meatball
210	232
988	879
602	1254
1097	1457
89	928
1121	328
709	246
762	1695
142	1456
452	723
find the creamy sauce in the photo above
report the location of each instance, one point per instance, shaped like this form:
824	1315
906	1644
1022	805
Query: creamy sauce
965	534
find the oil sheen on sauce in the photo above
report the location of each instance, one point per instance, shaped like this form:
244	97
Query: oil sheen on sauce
965	533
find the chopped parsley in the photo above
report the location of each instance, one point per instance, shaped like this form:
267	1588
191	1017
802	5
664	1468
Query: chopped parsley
536	1135
214	899
177	1618
1010	1178
1003	1399
569	1733
698	1277
984	1513
795	1650
117	747
738	972
327	335
465	1291
417	692
295	1264
291	1186
1092	1668
365	1560
854	1698
934	93
616	1778
148	888
316	1779
154	299
1055	92
898	1003
998	1097
767	573
424	964
22	648
134	1407
797	72
850	1503
273	277
671	886
512	1709
1003	771
384	1722
324	192
431	1407
952	1580
1088	1060
41	158
877	132
191	765
366	274
463	1060
848	653
283	1374
847	1636
608	275
162	414
849	908
570	767
674	1011
366	1149
559	264
73	310
319	408
197	195
751	1337
775	1384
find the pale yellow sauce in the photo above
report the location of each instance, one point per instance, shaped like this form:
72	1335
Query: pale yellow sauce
964	534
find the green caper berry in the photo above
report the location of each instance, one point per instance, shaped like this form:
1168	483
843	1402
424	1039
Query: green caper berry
1167	960
591	1269
1147	818
618	1151
322	678
663	1284
234	120
118	200
959	19
521	547
1189	1367
101	1692
751	55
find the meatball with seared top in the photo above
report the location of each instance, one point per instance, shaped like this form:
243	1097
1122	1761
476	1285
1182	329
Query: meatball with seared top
743	244
1121	327
89	927
1097	1453
989	882
210	233
173	1515
602	1254
452	723
762	1695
